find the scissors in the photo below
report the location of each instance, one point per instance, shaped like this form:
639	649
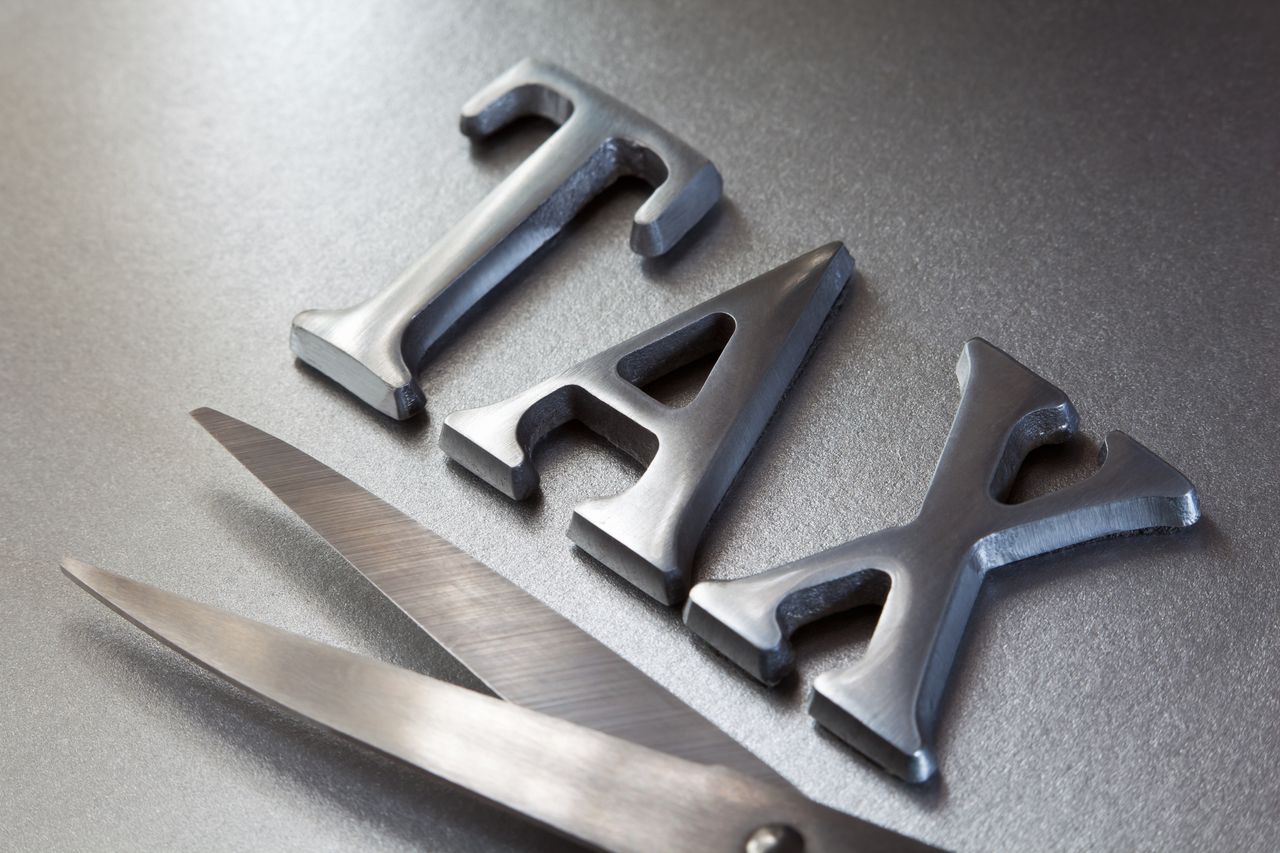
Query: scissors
605	756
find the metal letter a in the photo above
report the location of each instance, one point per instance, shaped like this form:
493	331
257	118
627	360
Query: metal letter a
649	533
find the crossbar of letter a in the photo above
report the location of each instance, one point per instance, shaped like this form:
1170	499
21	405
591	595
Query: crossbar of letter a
886	704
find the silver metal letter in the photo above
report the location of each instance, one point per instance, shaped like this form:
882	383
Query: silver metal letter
376	348
648	534
885	705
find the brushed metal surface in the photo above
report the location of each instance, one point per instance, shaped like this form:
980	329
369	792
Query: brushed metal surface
521	649
1092	186
594	788
928	571
375	349
648	534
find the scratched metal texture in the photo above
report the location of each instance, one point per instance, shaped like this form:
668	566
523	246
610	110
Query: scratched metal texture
1094	189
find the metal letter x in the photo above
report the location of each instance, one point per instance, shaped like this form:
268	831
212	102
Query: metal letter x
886	704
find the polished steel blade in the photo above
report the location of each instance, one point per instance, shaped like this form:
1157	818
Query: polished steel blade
593	787
522	649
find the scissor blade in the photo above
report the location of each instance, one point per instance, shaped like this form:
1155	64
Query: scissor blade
522	649
593	787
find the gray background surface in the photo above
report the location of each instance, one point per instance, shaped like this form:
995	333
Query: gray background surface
1093	189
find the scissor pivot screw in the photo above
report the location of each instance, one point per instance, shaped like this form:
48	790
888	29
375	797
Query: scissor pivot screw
775	838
